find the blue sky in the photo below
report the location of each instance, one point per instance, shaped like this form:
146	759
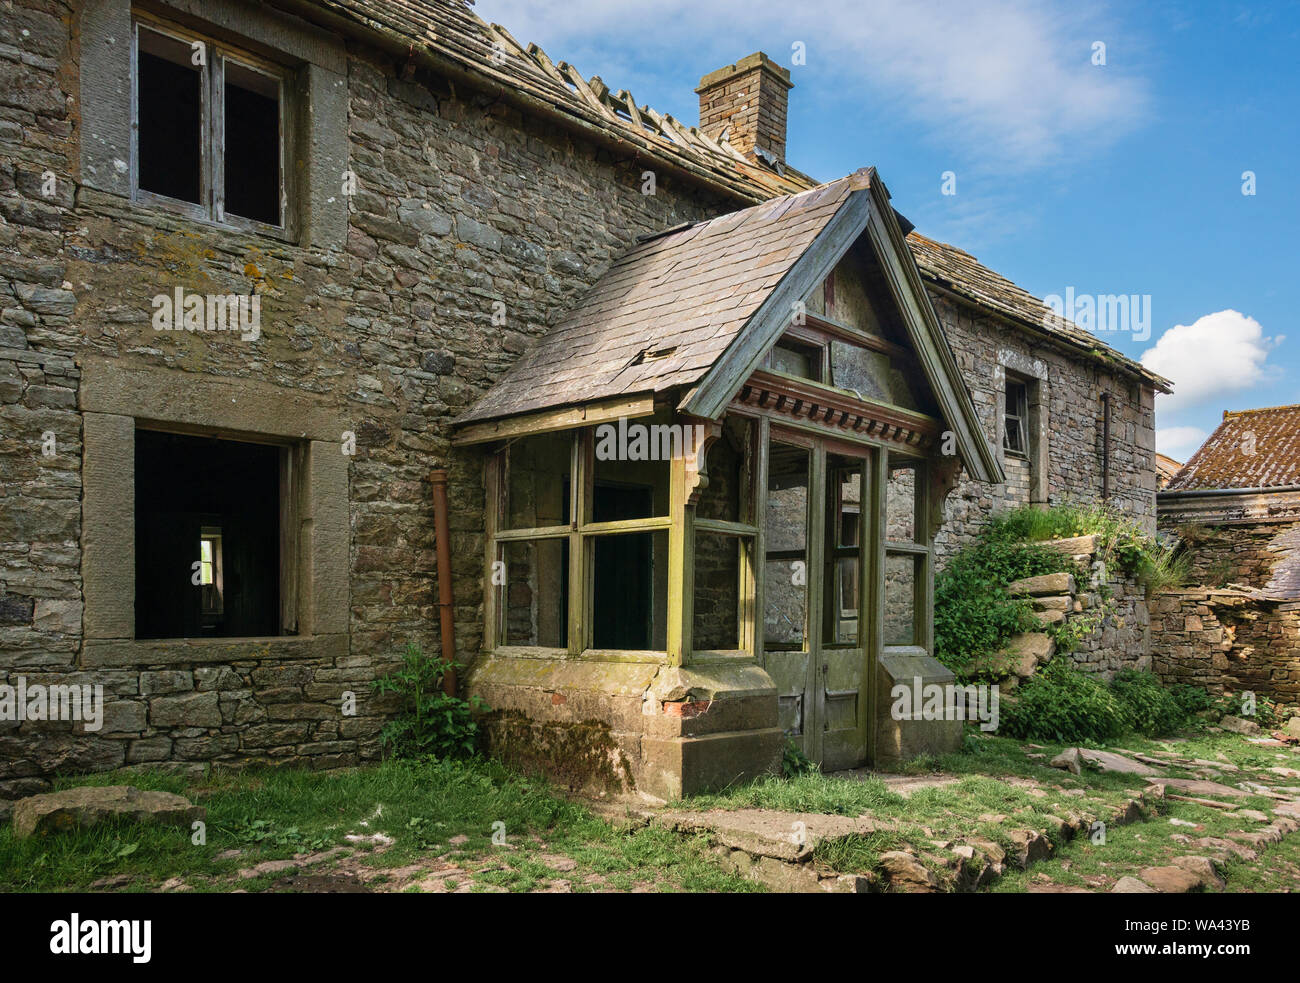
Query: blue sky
1116	178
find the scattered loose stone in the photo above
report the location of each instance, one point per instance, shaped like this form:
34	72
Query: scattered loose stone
1239	726
1203	868
1170	880
1068	759
86	806
906	873
1131	885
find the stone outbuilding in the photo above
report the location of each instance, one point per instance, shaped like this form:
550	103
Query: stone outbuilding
1235	509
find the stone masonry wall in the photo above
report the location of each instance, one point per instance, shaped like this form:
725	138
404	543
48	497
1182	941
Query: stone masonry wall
1235	554
1232	639
461	203
1070	392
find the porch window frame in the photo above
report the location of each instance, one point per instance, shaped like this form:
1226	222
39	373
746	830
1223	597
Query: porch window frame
920	549
680	524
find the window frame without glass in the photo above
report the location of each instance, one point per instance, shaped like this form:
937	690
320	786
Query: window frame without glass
211	207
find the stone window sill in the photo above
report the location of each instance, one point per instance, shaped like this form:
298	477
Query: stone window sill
109	653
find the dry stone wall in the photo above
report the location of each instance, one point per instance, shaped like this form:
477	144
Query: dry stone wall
1228	640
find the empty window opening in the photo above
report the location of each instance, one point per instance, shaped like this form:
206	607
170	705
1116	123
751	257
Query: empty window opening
252	147
207	537
1015	434
630	574
785	604
169	118
797	359
210	128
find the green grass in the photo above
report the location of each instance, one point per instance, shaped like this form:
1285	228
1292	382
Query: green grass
983	804
274	814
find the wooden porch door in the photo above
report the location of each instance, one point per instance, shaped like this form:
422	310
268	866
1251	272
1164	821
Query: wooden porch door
818	532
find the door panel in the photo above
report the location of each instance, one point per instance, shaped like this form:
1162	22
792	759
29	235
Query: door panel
785	588
814	595
844	717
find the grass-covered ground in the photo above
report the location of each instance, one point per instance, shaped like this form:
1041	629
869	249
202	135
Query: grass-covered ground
1000	784
430	826
440	817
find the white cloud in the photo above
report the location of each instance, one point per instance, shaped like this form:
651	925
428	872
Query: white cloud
1214	357
1010	82
1180	443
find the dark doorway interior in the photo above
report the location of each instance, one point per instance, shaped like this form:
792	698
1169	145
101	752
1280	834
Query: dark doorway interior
624	571
207	527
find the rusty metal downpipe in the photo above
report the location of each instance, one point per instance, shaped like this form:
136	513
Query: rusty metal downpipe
1105	447
446	606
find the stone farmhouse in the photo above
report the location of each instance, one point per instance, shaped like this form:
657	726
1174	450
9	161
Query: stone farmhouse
1235	508
332	325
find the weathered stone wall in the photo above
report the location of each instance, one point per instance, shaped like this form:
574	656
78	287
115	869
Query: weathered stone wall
461	203
1220	555
1069	422
1121	637
1239	628
1233	640
1109	606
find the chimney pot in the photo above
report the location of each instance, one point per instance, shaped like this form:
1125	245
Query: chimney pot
748	101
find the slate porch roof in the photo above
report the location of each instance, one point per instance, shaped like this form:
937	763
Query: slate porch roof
667	308
1223	460
450	33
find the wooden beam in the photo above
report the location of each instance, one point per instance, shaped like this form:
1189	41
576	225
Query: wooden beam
856	336
549	421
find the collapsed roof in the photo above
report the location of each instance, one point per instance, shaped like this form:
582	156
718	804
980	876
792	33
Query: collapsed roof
448	36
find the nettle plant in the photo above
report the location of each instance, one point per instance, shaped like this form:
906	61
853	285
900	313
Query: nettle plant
431	723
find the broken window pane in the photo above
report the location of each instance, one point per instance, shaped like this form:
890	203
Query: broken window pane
537	481
796	358
865	372
900	514
900	599
725	468
785	590
717	592
1015	437
534	591
169	113
843	532
635	456
630	591
252	114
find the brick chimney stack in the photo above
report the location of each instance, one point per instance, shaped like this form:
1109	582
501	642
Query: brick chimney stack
748	101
